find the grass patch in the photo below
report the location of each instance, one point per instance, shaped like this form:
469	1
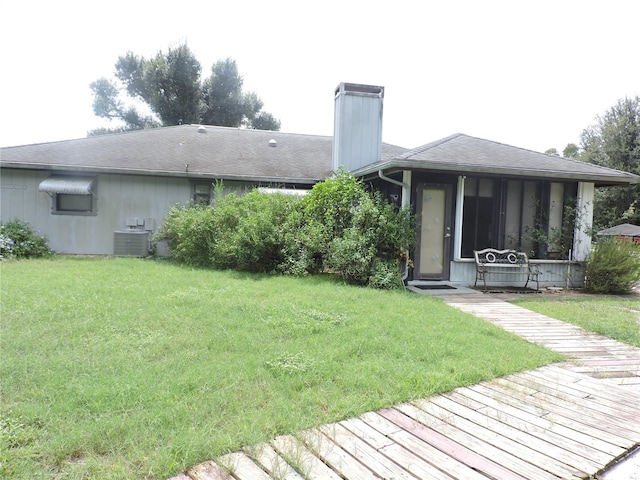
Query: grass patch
126	368
613	317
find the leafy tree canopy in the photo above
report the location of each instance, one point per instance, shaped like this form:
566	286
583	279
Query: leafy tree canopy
170	85
571	151
614	142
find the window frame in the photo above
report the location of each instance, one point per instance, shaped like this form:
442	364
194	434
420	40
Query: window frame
56	208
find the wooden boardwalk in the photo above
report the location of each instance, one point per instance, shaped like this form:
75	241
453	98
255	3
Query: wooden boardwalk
597	356
560	421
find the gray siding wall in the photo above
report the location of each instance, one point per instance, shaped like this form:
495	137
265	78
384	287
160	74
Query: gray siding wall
554	274
119	197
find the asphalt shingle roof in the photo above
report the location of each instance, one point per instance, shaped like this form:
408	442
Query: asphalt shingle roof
189	150
233	153
464	154
625	229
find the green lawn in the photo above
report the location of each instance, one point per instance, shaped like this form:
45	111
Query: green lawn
612	316
129	368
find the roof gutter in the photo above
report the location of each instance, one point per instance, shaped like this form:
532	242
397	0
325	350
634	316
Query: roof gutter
382	176
623	179
157	173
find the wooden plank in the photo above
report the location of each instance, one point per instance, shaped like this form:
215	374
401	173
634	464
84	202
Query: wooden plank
502	449
618	401
242	467
420	448
301	458
563	442
579	380
438	459
413	464
366	432
595	400
338	459
272	462
542	418
565	407
208	471
492	462
521	439
365	453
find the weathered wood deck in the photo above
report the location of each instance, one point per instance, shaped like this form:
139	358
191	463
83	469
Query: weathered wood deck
562	421
597	356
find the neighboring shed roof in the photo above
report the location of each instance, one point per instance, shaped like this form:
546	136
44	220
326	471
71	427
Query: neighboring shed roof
189	151
463	154
625	229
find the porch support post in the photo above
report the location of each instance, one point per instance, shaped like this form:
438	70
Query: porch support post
457	229
406	188
584	221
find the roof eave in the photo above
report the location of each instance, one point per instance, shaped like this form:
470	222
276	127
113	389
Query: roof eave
599	180
161	173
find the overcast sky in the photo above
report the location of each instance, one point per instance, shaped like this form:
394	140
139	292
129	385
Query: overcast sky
529	74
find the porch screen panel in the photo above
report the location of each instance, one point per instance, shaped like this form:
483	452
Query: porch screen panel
529	209
556	210
513	206
478	222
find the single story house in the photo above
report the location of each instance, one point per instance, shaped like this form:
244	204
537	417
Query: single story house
107	194
624	231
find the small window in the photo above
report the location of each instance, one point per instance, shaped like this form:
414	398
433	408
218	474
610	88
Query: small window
79	204
202	193
71	195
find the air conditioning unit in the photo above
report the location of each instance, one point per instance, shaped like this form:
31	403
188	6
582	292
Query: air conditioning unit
131	243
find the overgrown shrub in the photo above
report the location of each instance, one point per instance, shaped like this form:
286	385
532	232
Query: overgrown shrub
372	239
240	232
19	240
339	226
250	231
189	231
350	231
614	267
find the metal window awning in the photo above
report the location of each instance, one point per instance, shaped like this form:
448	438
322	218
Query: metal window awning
67	185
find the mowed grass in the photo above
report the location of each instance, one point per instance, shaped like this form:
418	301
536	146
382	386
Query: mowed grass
612	316
129	368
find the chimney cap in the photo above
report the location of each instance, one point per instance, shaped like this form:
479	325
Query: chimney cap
359	89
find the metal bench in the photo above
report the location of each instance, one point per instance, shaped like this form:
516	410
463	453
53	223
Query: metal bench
497	262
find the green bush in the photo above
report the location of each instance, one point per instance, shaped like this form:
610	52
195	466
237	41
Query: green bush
189	231
19	240
371	243
250	231
614	267
338	227
240	232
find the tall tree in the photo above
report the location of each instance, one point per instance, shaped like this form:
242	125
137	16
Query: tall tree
571	151
614	142
170	85
107	104
224	102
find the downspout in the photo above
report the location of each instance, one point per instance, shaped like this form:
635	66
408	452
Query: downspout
405	203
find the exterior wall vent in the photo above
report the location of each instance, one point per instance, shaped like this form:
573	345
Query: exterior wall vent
131	243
